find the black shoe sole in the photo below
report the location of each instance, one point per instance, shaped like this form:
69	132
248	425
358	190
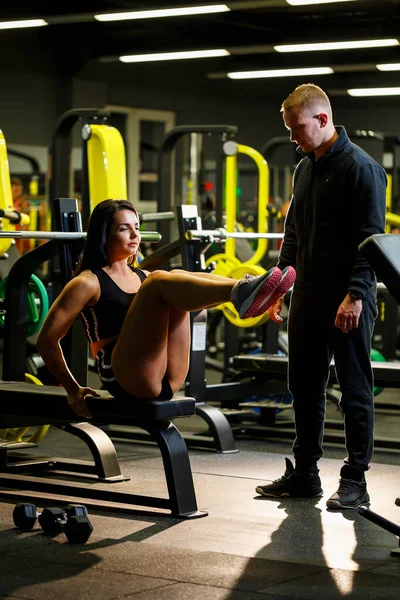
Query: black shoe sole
266	495
336	505
287	495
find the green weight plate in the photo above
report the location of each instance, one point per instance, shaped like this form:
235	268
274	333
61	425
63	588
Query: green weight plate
38	304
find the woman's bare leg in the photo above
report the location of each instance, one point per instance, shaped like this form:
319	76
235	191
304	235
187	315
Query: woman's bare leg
178	349
155	336
187	291
155	327
211	276
179	337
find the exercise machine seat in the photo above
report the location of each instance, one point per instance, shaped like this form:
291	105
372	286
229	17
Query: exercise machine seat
383	253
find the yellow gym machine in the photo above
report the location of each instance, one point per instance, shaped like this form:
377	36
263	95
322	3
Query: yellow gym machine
103	159
227	263
106	163
8	219
105	175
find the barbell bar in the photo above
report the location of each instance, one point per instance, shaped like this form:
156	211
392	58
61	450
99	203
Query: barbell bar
222	234
146	236
157	216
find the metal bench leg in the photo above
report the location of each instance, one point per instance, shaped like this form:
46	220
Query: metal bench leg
219	427
177	469
381	522
103	451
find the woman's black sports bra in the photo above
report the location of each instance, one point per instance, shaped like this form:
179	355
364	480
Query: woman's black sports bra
104	319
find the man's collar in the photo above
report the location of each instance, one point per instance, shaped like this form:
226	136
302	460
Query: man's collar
336	146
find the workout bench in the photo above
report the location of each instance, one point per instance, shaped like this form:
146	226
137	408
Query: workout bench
23	404
26	405
383	253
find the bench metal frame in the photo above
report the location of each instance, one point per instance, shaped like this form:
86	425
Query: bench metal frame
19	470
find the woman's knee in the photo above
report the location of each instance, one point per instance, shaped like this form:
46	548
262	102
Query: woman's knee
178	271
155	276
152	281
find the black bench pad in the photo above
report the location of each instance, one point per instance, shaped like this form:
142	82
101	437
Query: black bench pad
23	404
383	254
386	374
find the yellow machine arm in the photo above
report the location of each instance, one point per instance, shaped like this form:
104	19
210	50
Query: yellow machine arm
392	220
106	164
231	196
6	202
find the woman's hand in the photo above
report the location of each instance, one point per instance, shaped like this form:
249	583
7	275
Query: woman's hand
275	310
77	401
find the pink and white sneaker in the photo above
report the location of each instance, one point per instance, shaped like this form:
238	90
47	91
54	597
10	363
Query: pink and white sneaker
287	280
251	295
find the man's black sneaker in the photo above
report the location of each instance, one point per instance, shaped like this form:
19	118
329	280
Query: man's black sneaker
299	485
352	490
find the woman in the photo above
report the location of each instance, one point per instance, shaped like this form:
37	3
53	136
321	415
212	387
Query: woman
137	322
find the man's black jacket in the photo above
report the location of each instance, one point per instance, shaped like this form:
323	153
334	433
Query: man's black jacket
338	201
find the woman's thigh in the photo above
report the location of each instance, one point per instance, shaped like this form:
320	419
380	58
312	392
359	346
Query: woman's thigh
154	341
139	359
178	350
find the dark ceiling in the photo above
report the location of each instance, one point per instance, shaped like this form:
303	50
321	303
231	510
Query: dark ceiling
73	38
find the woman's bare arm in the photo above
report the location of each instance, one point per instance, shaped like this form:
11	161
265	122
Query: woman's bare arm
81	291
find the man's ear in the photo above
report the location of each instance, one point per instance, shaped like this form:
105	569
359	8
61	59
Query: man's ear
323	119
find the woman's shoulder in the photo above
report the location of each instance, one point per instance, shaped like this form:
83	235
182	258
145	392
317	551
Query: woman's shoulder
86	281
87	276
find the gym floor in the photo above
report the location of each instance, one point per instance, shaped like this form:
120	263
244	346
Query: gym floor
247	547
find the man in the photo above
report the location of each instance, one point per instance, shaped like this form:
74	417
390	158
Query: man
338	201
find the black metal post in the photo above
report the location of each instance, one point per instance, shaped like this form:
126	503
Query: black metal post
192	253
14	353
164	200
61	146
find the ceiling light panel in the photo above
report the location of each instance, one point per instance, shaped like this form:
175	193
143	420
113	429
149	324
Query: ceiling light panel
308	2
165	12
389	67
361	92
137	58
280	73
348	45
22	24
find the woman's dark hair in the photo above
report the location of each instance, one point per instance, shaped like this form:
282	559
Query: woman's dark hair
94	254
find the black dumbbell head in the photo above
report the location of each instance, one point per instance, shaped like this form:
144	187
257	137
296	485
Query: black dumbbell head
76	510
24	515
51	520
78	530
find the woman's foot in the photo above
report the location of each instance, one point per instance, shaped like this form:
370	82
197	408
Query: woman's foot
287	280
251	295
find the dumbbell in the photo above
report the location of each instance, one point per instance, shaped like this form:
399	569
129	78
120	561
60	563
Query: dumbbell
73	520
25	515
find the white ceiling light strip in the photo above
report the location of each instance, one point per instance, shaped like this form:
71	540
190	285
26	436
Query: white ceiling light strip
165	12
138	58
22	24
307	2
361	92
280	73
389	67
350	45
